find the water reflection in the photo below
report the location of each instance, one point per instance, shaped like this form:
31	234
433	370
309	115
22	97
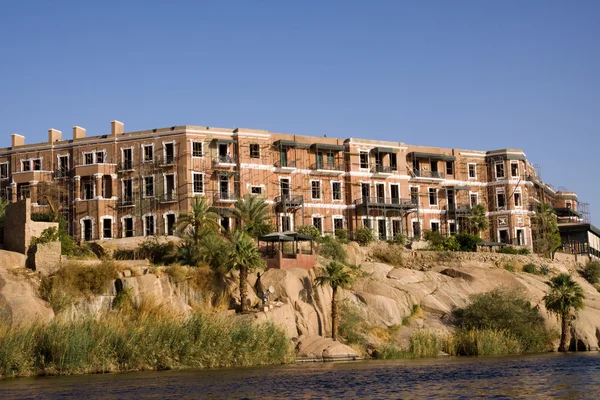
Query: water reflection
543	376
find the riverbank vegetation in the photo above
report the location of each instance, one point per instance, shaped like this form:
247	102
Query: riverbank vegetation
139	342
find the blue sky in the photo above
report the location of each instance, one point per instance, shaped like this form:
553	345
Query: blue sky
477	75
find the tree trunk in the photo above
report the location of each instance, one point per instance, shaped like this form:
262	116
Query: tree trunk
564	324
334	314
243	287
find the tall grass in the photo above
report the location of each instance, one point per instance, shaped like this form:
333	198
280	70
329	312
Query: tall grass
126	343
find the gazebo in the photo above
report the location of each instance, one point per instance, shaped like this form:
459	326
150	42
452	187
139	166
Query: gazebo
278	255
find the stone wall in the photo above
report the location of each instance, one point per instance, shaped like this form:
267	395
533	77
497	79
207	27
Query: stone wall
19	228
44	258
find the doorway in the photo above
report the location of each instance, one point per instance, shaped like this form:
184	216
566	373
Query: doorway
170	224
87	229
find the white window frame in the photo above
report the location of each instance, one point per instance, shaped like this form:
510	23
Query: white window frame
312	220
524	229
164	148
261	187
123	218
143	153
250	150
170	212
165	174
452	221
341	191
58	157
390	191
31	160
194	173
282	178
281	216
7	171
153	215
412	222
112	226
514	162
435	221
201	142
337	217
21	164
123	187
81	227
499	191
320	198
146	196
520	193
375	186
496	170
123	155
418	193
437	197
506	230
474	178
569	204
368	159
476	194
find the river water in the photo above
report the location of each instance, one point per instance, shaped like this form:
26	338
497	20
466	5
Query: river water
562	376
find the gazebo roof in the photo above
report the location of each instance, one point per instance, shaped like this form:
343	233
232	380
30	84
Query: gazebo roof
275	237
297	236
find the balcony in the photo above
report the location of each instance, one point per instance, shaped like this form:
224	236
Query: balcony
28	176
168	198
125	166
328	168
380	202
427	175
225	197
382	169
125	202
224	161
92	169
166	161
286	165
288	202
460	209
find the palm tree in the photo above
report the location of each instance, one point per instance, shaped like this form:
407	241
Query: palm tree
476	220
200	220
245	258
253	213
336	276
564	299
546	237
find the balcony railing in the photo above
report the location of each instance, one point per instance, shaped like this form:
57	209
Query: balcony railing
388	201
459	208
290	199
168	197
420	173
125	166
220	160
382	169
169	159
333	167
225	197
287	164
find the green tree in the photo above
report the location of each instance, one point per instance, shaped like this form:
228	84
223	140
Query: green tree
245	258
544	228
253	213
199	221
564	299
476	221
336	276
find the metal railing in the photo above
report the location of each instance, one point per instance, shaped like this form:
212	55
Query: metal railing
287	164
382	169
290	198
419	173
169	159
324	166
228	159
384	200
168	197
226	196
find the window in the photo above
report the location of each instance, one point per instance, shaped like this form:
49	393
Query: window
472	171
197	149
435	226
148	152
330	159
169	152
127	190
127	159
286	223
452	228
364	159
518	201
366	223
433	197
336	188
254	150
315	190
474	197
88	189
393	161
148	186
514	169
25	165
63	165
414	195
416	227
449	168
338	223
100	157
88	158
568	203
148	225
106	228
198	183
257	190
318	223
37	164
395	193
500	170
501	200
4	170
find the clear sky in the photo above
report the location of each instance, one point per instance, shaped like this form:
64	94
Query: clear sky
466	74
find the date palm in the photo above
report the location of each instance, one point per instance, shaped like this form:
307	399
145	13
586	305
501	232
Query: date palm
546	236
244	257
476	220
199	220
564	299
336	276
253	213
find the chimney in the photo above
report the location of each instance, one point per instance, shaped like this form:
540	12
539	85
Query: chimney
17	140
116	128
78	132
54	135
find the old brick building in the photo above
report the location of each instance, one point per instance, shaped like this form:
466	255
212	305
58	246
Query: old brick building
136	183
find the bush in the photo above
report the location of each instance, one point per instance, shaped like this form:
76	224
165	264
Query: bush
333	249
399	239
523	251
530	268
509	267
388	254
352	328
468	242
341	235
591	272
483	342
156	252
48	235
544	270
364	236
507	311
309	230
439	242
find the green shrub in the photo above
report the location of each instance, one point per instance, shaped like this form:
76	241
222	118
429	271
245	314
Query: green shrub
41	217
467	242
523	251
388	254
364	236
333	249
48	235
341	235
309	230
591	272
399	239
530	268
483	342
509	267
424	343
544	270
507	311
352	328
439	242
156	252
124	254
